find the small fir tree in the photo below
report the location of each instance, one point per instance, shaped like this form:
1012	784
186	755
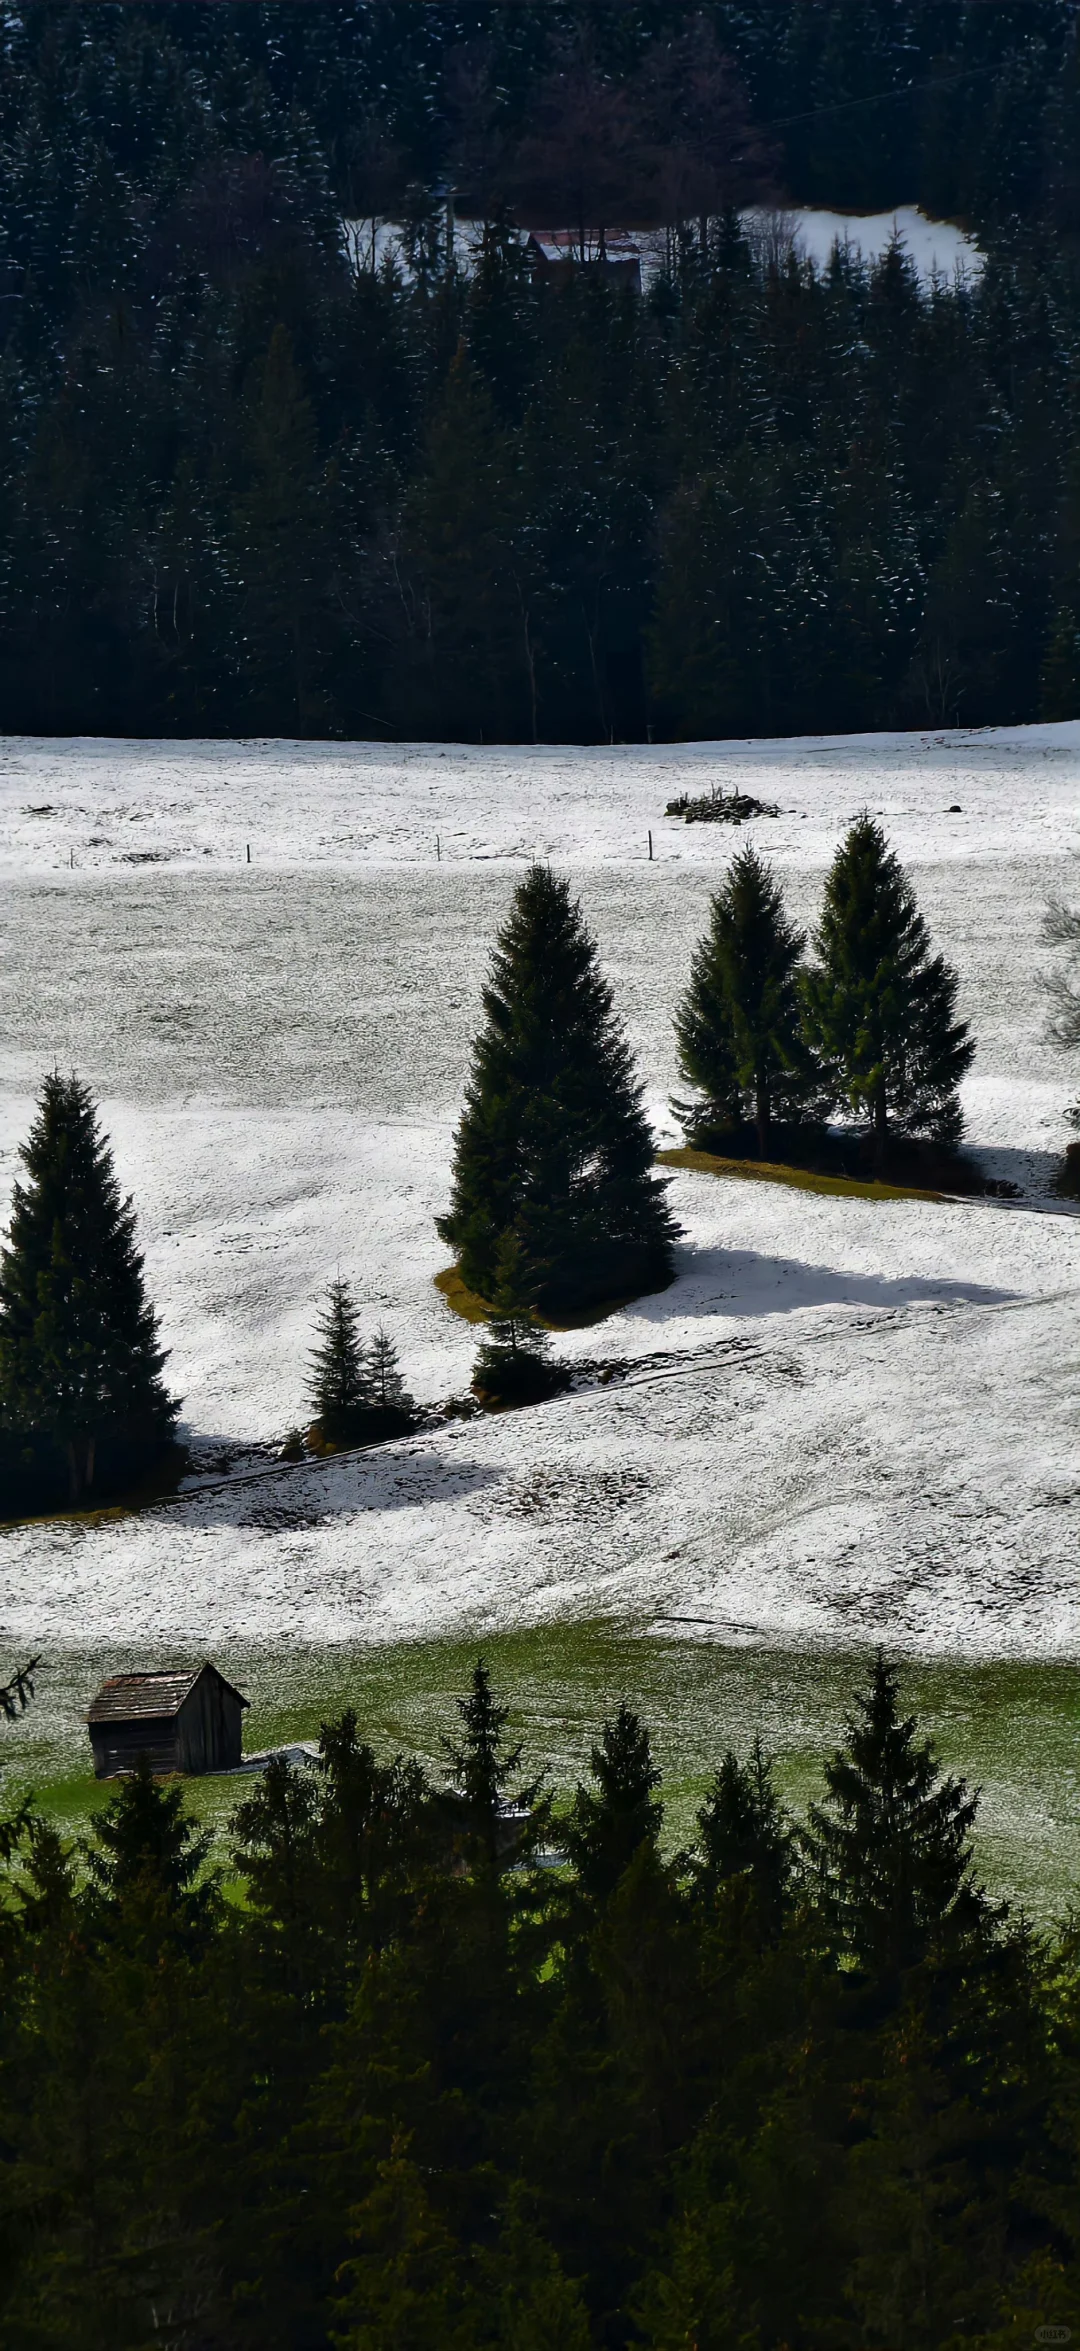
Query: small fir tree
739	1026
879	1007
80	1361
385	1381
892	1841
553	1142
339	1386
512	1364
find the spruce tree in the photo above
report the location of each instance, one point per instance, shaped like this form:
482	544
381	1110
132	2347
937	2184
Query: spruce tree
553	1142
739	1026
512	1365
339	1385
80	1362
148	1856
743	1829
892	1841
879	1007
480	1767
611	1821
384	1377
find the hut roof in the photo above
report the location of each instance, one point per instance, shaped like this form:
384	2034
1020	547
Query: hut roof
150	1697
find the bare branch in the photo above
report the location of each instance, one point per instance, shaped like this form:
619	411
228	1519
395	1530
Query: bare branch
16	1694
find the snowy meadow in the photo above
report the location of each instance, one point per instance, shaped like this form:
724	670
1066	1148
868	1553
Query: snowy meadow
847	1420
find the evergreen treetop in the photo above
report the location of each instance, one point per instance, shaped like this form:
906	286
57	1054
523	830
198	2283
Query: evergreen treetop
553	1143
339	1383
480	1767
610	1821
739	1027
881	1009
892	1841
384	1376
512	1361
743	1828
80	1359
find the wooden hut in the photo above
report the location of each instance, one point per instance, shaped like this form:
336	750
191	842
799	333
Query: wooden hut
558	254
189	1721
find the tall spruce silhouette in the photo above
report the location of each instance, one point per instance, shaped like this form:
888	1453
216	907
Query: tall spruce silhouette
80	1360
553	1143
739	1027
339	1385
891	1843
610	1821
880	1008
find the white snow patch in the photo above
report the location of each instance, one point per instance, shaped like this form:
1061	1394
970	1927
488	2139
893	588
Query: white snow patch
936	248
843	1420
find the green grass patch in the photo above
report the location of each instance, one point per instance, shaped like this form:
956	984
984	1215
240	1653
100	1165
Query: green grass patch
1011	1728
474	1309
764	1171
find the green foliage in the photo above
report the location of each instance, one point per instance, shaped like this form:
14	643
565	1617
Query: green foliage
80	1363
385	1377
250	485
743	1830
892	1841
400	2095
339	1384
609	1822
880	1009
512	1365
553	1148
739	1027
147	1862
494	1821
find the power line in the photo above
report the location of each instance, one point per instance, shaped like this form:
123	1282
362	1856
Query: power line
950	81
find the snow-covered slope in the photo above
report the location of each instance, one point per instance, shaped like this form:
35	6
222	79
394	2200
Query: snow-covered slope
843	1419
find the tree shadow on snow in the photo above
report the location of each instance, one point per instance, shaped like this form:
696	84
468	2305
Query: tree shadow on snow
737	1282
1033	1172
306	1494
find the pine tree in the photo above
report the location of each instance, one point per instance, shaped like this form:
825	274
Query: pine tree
739	1026
880	1008
512	1365
148	1861
384	1377
80	1363
479	1769
339	1386
608	1824
553	1142
892	1841
744	1829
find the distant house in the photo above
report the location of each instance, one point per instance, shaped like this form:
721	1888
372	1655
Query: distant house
557	254
189	1721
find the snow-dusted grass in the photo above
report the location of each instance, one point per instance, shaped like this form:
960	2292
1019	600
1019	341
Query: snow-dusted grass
1009	1727
847	1419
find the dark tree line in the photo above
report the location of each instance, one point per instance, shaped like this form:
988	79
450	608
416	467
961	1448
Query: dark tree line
799	2085
246	487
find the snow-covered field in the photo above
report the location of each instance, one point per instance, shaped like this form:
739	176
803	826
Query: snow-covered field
844	1420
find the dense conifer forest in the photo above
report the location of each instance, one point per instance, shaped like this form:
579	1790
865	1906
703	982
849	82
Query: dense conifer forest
249	484
434	2064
